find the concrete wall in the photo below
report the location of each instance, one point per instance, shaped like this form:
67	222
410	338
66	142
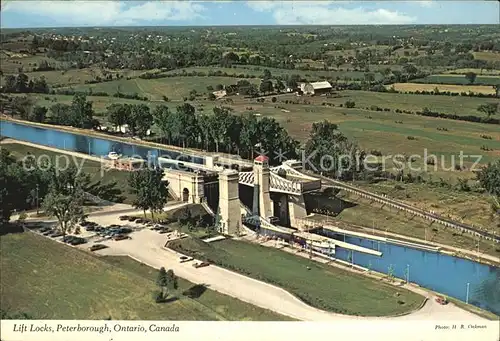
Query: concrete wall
262	181
180	181
229	203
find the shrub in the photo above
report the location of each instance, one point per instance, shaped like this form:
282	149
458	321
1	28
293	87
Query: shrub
273	99
411	137
350	104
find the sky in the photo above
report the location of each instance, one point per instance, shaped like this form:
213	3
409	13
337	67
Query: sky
70	13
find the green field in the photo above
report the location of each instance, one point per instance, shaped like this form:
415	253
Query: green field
258	71
458	79
378	130
173	87
48	280
99	103
319	285
471	208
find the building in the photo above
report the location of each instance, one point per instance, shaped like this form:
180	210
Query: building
316	88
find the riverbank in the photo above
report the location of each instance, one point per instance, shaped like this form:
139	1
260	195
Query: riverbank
397	282
129	140
443	248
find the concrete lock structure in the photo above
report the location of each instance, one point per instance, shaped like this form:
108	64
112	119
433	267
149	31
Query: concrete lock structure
277	192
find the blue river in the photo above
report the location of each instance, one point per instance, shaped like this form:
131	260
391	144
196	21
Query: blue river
439	272
86	144
433	270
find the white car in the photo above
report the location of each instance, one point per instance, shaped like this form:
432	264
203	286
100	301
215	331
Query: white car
184	259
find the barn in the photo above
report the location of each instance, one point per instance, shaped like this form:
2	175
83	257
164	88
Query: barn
317	88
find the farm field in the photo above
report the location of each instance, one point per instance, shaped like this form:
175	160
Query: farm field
458	105
174	88
59	78
376	130
480	72
12	62
99	103
484	89
488	56
258	71
319	285
459	79
48	280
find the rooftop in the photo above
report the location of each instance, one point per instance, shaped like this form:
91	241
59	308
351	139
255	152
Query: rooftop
321	85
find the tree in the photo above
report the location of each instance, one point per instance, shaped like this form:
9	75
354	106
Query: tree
65	198
166	281
143	119
23	106
151	192
471	77
267	75
212	97
489	178
118	114
81	113
330	152
39	113
280	86
162	118
266	86
489	109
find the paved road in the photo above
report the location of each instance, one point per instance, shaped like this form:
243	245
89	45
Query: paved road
147	246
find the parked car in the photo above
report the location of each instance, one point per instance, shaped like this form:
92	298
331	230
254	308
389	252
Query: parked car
441	300
96	247
184	259
200	264
114	226
132	219
125	230
124	217
85	223
162	231
90	228
55	234
48	232
45	229
120	237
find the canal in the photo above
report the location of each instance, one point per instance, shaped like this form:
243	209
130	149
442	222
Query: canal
466	280
452	276
87	144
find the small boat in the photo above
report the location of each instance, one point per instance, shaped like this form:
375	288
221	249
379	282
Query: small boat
114	155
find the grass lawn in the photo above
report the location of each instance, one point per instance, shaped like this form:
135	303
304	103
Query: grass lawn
322	286
48	280
90	167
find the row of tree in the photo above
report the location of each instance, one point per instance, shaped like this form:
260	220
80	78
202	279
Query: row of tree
22	84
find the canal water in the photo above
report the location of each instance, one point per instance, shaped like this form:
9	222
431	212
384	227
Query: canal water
433	270
445	274
87	144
